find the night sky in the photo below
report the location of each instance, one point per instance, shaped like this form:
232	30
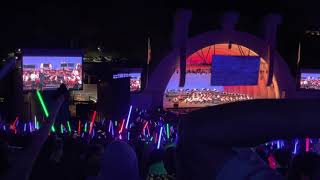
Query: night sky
124	29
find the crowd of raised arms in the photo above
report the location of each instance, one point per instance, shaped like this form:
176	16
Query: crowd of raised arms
72	151
142	145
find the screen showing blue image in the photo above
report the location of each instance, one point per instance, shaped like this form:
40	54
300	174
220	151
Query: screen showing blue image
235	70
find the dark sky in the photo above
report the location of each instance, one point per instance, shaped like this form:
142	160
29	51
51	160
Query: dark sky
124	29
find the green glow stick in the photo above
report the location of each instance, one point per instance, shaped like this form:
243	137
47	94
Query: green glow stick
168	132
43	105
69	127
85	127
53	129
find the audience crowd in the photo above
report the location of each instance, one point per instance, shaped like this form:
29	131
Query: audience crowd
112	152
152	145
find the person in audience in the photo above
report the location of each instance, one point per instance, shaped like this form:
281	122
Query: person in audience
169	161
156	165
57	152
4	161
119	162
93	160
305	166
283	159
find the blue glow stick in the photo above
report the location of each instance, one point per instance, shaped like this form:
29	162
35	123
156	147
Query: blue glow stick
159	140
4	127
35	122
128	136
278	144
295	147
110	123
128	118
30	126
112	129
25	127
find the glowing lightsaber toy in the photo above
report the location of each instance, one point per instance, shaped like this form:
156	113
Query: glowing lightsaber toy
168	131
53	129
295	147
79	128
35	122
43	105
307	144
128	118
69	127
112	129
159	140
144	128
145	125
148	130
92	121
121	129
85	127
15	122
30	127
110	123
61	128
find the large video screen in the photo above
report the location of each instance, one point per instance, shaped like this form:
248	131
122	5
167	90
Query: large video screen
235	70
49	72
310	79
135	80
